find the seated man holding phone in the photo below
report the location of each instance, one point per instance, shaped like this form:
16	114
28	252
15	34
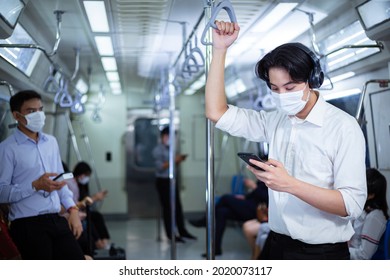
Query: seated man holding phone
31	160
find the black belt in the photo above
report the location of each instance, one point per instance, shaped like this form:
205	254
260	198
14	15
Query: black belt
42	217
294	243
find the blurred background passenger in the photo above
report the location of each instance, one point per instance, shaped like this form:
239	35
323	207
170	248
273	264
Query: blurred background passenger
371	225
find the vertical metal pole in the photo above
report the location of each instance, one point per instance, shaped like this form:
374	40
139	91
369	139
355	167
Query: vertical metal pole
91	158
172	164
210	192
72	136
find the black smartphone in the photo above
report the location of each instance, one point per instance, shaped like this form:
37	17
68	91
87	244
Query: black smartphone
247	156
63	176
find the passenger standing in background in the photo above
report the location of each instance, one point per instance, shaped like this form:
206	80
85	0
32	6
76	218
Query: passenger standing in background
316	167
30	158
161	157
371	225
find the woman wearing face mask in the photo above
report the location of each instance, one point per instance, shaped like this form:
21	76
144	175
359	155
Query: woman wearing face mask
82	173
316	168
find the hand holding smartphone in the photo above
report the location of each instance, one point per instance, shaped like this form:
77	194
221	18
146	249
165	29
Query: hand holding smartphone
247	156
63	176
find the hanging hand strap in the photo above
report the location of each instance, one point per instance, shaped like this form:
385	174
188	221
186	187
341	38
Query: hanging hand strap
227	6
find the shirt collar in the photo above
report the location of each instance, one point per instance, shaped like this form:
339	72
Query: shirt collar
22	138
317	113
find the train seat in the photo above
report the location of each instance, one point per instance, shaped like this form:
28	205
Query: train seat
383	252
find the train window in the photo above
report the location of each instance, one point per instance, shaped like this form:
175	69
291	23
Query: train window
336	56
23	59
9	15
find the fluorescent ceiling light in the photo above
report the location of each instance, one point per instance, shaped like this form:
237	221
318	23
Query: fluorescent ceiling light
112	76
273	17
242	45
82	86
339	78
344	41
287	30
104	45
109	64
84	99
116	91
97	16
116	88
115	85
343	93
196	85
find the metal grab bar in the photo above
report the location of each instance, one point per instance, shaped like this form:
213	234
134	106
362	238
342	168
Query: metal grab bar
382	83
10	88
379	45
58	14
227	6
34	46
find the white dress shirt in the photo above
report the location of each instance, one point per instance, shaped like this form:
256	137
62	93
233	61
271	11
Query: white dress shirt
327	150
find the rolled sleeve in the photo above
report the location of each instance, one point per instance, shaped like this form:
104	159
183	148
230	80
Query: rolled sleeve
246	123
350	170
66	197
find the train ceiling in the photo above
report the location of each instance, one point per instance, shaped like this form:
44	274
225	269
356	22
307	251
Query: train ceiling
147	36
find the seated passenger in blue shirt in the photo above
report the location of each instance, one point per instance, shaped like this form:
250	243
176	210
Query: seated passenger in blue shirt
30	159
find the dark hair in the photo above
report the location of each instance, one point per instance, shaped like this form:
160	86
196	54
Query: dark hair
376	184
17	100
290	57
165	131
81	168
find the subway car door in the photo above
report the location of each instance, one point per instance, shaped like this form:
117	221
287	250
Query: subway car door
142	136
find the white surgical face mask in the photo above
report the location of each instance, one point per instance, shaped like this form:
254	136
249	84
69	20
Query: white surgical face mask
84	180
290	103
35	121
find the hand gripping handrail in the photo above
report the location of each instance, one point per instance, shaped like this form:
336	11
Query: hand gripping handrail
227	6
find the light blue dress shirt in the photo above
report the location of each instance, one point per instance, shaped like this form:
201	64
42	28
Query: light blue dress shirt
23	161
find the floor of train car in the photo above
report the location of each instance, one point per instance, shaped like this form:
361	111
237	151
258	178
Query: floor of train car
139	238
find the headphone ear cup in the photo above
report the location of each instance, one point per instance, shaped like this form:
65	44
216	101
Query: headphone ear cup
316	77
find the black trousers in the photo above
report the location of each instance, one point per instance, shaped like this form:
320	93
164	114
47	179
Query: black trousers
230	207
163	189
45	237
283	247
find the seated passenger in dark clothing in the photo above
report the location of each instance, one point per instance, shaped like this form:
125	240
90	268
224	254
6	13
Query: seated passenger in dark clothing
236	208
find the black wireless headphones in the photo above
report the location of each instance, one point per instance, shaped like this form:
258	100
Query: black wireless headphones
316	77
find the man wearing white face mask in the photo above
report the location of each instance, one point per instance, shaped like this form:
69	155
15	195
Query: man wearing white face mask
30	159
315	173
